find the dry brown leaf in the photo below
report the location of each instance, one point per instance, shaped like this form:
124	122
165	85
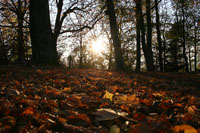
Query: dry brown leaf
141	127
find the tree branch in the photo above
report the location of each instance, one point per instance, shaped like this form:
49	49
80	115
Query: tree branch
82	28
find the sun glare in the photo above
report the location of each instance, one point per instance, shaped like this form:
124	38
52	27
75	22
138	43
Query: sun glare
98	46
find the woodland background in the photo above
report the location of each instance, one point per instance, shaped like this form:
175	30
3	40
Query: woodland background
153	35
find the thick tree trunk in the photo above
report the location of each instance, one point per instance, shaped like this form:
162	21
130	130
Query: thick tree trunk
159	37
184	40
149	60
138	63
115	35
20	37
43	50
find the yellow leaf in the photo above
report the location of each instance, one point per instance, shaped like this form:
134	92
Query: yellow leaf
108	95
114	129
185	128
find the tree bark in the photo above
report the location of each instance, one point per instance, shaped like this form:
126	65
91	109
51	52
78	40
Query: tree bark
159	37
138	63
195	44
81	52
20	37
115	35
149	59
43	51
184	40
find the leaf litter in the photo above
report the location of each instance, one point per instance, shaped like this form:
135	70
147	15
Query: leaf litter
55	99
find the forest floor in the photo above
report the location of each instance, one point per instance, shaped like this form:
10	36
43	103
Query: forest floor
55	99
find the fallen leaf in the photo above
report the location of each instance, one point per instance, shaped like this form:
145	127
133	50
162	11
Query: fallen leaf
121	99
147	102
184	128
105	114
192	110
109	73
67	89
114	129
78	117
28	111
108	95
62	120
141	127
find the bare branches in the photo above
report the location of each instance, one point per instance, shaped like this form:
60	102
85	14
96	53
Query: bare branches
82	28
90	25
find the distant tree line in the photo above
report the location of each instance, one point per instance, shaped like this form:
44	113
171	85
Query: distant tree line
152	35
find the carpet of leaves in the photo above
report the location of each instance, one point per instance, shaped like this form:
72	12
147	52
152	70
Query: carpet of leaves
55	99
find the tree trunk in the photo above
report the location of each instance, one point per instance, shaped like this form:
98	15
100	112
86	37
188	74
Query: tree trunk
159	36
138	63
110	57
149	59
190	62
142	28
81	52
43	51
195	45
115	35
58	25
20	37
184	40
164	51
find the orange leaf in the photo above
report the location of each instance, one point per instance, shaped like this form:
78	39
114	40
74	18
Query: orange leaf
62	120
185	128
124	107
109	73
178	105
67	89
28	111
62	81
104	104
147	102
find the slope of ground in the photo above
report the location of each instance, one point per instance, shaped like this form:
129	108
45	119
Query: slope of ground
54	99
